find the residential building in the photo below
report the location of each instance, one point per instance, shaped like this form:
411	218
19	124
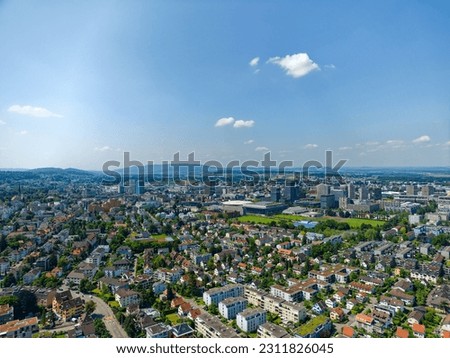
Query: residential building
348	332
215	295
250	319
30	276
271	330
6	313
75	277
158	330
126	297
159	287
418	330
182	330
288	311
67	307
365	322
112	284
337	314
211	327
318	327
231	306
402	333
406	298
19	329
4	267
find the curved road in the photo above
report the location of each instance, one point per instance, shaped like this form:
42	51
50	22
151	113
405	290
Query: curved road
103	310
110	320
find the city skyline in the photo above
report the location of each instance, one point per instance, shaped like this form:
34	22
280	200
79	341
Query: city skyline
84	83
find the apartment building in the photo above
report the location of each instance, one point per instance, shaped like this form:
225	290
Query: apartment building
19	329
210	327
231	306
270	330
250	319
127	297
288	311
217	294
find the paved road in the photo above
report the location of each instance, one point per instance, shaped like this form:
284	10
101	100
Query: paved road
65	327
110	320
102	309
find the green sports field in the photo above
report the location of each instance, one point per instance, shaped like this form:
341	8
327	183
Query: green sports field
354	223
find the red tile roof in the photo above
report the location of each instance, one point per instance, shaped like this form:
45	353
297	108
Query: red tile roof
363	318
348	331
419	328
402	333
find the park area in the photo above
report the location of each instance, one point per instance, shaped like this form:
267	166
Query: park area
354	223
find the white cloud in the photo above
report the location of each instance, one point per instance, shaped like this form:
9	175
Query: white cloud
243	124
2	123
330	67
236	123
250	141
224	122
105	148
261	149
254	62
297	65
345	148
390	144
311	146
422	139
24	132
394	142
33	111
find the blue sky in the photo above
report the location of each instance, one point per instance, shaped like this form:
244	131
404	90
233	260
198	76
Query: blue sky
83	81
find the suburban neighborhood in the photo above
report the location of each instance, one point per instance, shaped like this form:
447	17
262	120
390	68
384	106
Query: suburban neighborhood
285	258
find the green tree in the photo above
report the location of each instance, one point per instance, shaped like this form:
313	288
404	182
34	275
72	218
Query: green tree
158	262
3	243
89	307
371	234
44	319
100	329
9	280
170	293
86	285
213	309
130	327
27	304
9	300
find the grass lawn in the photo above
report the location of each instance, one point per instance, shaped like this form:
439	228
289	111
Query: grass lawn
159	237
257	219
113	304
173	318
354	223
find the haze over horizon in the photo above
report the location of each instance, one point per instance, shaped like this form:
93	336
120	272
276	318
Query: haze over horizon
83	82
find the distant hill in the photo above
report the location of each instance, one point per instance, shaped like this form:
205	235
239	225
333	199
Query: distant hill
60	171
